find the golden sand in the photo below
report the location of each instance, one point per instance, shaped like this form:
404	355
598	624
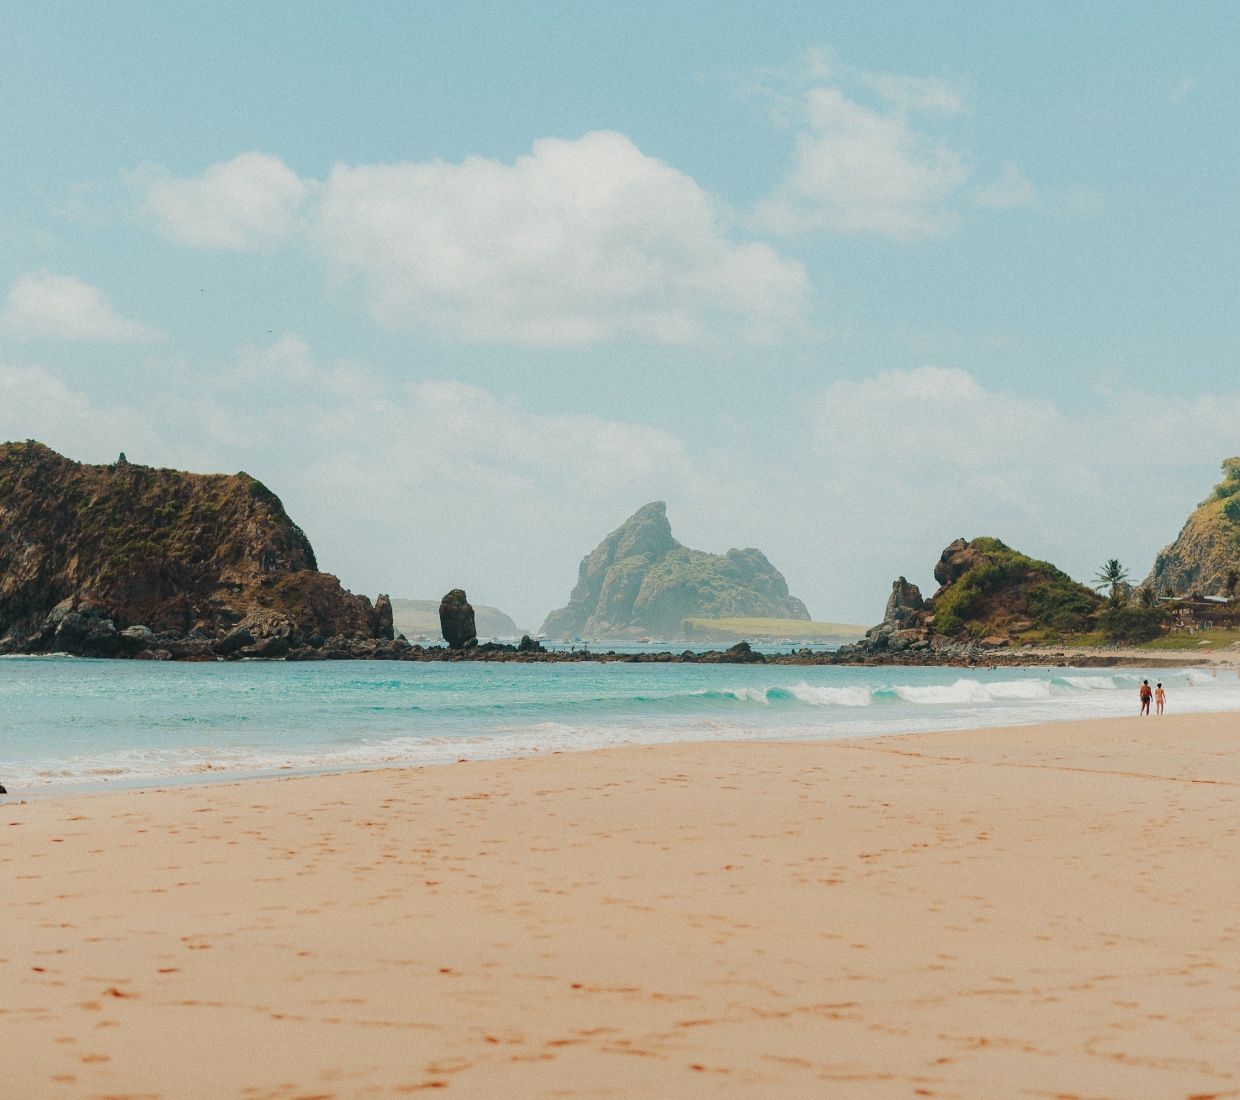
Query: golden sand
1046	911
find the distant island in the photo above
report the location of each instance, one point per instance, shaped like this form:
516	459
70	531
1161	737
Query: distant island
640	582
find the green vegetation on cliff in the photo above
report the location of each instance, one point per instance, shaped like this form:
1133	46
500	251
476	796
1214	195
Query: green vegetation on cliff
990	589
168	550
1206	555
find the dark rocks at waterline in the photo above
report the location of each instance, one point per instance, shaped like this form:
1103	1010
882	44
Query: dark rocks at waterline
742	654
456	620
529	645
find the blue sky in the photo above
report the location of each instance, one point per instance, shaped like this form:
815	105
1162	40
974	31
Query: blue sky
468	284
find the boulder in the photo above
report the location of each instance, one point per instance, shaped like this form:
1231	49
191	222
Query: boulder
144	636
456	620
529	645
742	654
233	641
81	628
955	562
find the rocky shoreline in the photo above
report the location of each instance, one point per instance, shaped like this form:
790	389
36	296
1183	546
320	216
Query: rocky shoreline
151	647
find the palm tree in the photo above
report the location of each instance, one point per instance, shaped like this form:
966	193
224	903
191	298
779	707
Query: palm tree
1113	576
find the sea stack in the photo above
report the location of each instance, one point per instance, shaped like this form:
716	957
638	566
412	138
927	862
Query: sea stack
456	620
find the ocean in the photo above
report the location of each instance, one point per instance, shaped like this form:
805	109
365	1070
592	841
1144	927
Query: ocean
72	724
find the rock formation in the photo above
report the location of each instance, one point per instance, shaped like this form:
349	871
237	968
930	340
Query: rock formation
420	618
127	560
1207	551
456	620
988	593
904	602
641	581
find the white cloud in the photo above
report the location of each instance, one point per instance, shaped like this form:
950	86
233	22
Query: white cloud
36	404
59	307
576	243
863	169
1009	190
248	203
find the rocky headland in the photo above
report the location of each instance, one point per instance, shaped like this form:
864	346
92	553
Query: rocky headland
129	561
639	581
1205	557
989	596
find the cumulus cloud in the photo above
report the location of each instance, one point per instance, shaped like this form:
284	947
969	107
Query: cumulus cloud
869	169
248	203
577	242
1009	190
39	405
59	307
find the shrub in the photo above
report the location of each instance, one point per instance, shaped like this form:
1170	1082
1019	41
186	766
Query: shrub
1131	624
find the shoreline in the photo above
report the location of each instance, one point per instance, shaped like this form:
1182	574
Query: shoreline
962	656
930	913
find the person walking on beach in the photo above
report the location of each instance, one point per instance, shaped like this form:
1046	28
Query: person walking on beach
1160	697
1145	696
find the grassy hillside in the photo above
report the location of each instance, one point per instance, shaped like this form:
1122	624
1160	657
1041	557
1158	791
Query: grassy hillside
763	629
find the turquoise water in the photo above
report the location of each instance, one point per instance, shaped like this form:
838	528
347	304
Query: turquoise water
73	724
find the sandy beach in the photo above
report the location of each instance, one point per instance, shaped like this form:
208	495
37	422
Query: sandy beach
1044	911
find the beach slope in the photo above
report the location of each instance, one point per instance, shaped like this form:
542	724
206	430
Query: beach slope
1040	911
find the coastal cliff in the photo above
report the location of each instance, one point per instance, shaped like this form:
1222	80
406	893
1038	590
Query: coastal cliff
640	581
127	560
1205	557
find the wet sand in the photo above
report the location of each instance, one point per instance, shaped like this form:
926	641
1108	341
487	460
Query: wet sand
1046	911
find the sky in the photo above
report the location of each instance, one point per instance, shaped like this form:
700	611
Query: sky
466	285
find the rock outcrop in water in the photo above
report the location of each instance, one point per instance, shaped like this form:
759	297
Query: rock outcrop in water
420	618
127	560
456	620
1205	557
640	581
